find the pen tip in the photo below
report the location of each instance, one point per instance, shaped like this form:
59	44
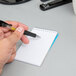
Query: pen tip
37	36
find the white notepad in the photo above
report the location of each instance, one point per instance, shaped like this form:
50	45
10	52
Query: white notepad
36	50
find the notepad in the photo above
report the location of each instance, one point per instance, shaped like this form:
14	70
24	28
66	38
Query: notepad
35	52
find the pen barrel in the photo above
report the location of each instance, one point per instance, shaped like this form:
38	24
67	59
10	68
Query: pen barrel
29	34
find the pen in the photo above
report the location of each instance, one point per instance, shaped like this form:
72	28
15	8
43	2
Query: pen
28	33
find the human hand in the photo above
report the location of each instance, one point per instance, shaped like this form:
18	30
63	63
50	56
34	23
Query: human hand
8	40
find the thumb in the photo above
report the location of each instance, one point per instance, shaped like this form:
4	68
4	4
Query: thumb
16	36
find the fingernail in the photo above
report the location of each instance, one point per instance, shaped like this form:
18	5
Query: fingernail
23	25
20	29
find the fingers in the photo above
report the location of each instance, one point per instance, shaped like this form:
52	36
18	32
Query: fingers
0	71
1	34
4	29
24	26
11	58
17	24
25	39
12	55
14	23
7	34
15	37
4	32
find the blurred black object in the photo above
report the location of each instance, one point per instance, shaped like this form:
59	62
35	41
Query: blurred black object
53	4
11	2
44	0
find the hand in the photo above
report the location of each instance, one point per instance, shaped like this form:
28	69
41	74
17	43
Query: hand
8	40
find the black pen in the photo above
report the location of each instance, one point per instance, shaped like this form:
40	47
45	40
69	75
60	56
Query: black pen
28	33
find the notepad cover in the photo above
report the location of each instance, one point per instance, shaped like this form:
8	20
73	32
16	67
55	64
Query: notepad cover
35	52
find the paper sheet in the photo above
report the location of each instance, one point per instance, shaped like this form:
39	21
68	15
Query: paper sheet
36	50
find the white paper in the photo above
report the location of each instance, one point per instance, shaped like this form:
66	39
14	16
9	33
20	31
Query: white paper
36	50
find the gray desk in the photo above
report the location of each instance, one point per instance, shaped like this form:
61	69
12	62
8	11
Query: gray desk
61	58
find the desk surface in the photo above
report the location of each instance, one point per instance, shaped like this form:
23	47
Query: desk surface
61	58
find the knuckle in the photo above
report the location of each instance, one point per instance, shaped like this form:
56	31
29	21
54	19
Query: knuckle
17	35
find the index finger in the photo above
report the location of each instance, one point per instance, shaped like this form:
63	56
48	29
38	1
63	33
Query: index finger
4	29
16	24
